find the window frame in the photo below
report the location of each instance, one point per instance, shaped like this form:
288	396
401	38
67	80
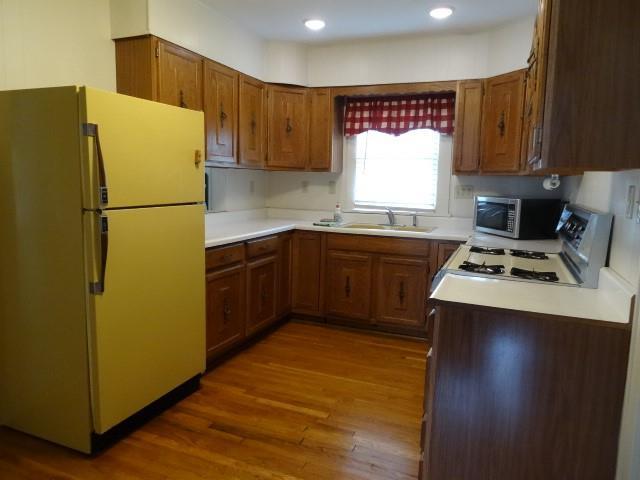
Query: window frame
443	185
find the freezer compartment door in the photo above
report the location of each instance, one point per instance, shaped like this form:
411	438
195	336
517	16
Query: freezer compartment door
137	153
147	321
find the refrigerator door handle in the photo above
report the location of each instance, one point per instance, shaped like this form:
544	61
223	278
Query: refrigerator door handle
97	288
91	130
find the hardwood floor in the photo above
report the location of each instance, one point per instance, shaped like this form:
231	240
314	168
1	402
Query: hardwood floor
307	402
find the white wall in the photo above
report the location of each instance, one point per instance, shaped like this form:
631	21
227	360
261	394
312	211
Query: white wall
202	29
286	62
66	42
421	58
129	18
235	190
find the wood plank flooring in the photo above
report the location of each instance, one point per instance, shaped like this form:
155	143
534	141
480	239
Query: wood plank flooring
306	402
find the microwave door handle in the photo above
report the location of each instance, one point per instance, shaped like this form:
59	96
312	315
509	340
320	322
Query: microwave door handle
97	288
91	130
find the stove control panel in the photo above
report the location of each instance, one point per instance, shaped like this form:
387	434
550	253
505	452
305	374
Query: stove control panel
572	229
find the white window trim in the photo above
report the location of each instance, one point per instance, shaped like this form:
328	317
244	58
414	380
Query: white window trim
444	181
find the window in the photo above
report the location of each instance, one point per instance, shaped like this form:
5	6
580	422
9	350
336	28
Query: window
400	172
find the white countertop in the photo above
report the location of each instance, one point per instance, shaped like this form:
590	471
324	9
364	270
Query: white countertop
217	234
612	301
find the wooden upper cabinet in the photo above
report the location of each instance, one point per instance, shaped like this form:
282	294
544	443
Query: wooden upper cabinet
466	145
502	123
325	131
349	285
221	112
401	296
252	130
287	128
179	76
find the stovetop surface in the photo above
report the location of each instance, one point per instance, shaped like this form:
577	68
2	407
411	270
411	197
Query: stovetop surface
498	263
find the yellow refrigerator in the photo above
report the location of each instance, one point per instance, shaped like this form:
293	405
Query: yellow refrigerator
102	309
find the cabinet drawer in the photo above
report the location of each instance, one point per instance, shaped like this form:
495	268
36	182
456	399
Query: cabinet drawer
219	257
262	246
384	245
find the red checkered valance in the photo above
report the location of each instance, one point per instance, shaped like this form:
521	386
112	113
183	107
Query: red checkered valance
399	114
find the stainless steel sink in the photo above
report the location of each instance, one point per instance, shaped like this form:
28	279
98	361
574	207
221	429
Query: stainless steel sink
399	228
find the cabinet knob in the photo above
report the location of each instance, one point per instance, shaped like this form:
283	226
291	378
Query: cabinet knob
197	158
347	286
501	124
289	128
223	115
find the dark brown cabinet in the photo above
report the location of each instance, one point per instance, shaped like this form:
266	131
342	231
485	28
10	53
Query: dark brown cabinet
221	112
225	309
541	396
252	130
466	137
348	286
152	68
288	128
307	272
502	123
261	293
401	291
588	99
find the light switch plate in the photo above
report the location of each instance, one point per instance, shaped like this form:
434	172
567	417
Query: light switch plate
463	191
252	187
305	186
332	187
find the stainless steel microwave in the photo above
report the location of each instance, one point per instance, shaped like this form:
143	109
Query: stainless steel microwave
520	218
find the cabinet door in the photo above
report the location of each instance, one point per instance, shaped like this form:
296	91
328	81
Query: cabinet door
287	128
225	309
179	76
320	129
220	111
307	260
349	285
252	126
535	80
402	291
284	273
261	294
502	123
466	145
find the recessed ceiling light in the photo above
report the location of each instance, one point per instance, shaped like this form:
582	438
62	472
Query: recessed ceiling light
441	13
314	24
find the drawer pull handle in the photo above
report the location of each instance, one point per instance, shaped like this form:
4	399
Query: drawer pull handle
401	292
347	286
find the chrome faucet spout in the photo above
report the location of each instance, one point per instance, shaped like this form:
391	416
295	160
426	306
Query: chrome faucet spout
391	216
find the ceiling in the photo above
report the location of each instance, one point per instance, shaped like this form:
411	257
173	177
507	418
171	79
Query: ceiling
352	19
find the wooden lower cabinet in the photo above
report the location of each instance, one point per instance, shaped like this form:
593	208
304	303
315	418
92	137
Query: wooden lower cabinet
348	286
517	395
285	247
401	291
261	294
225	309
307	272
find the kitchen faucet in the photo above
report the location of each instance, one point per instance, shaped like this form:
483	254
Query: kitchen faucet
392	217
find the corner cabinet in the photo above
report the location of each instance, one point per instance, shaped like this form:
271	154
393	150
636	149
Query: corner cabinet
502	123
221	112
252	128
288	128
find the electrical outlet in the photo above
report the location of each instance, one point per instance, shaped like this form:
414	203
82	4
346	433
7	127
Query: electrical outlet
252	187
463	191
305	186
332	187
631	201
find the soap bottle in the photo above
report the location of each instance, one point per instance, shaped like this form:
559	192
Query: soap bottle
337	214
